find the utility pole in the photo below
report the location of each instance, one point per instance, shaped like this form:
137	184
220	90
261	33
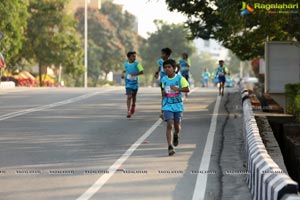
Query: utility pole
85	43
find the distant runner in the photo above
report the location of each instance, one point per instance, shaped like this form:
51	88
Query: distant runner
205	77
160	73
173	85
185	64
131	74
221	71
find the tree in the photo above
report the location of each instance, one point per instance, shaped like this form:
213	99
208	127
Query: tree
13	24
110	36
173	36
52	38
244	35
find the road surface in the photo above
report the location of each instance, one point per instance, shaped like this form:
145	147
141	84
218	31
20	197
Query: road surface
77	144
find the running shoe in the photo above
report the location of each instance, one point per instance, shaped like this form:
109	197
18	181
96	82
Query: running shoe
175	140
129	114
132	109
171	150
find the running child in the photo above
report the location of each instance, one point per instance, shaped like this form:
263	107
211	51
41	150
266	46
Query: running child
160	73
185	65
221	71
205	77
131	74
173	85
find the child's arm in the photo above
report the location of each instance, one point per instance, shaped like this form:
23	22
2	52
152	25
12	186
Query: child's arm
184	86
185	89
157	73
140	70
177	68
123	74
136	74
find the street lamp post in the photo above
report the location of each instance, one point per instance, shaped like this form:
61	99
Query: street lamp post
85	43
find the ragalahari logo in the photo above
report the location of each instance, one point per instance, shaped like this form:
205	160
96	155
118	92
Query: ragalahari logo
246	9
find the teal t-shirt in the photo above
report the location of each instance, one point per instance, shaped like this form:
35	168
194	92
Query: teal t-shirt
173	99
205	75
160	63
132	81
184	66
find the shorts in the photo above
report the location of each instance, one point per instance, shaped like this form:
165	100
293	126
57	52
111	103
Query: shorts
205	80
131	91
176	116
222	79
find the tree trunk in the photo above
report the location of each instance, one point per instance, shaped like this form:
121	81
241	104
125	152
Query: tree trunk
40	75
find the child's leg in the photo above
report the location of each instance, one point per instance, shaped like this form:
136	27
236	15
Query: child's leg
133	99
129	99
177	127
170	124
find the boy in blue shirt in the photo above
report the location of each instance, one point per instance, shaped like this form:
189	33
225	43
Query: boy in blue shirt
172	106
131	74
185	64
205	77
160	73
221	71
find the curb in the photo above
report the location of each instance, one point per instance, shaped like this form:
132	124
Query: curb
265	178
7	84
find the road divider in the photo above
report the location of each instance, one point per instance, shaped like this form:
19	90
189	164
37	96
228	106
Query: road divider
265	179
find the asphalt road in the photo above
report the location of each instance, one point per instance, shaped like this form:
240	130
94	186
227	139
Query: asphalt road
77	144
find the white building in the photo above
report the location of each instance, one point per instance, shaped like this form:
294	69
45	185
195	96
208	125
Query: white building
212	47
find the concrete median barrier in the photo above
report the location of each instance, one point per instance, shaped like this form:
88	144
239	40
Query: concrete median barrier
265	179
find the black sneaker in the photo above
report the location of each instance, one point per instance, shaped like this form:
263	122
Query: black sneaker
175	140
171	150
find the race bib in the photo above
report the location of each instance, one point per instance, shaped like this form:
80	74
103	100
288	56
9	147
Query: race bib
170	92
221	74
129	77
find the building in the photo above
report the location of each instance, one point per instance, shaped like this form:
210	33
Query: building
211	47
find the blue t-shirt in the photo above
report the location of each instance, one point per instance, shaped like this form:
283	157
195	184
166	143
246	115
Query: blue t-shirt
172	100
184	66
206	75
221	71
160	63
132	81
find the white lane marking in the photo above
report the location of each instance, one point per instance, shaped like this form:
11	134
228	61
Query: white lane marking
89	193
41	108
104	178
200	187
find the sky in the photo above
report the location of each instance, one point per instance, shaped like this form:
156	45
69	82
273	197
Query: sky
149	10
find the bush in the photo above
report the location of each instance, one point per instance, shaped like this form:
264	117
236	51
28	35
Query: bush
292	94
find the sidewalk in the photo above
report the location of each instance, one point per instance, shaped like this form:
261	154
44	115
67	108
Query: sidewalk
229	153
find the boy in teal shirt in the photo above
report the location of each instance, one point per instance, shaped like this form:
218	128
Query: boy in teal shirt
131	74
172	106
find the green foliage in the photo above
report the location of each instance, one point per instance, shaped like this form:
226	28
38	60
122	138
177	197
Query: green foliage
233	63
52	37
110	36
13	24
292	93
173	36
244	35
